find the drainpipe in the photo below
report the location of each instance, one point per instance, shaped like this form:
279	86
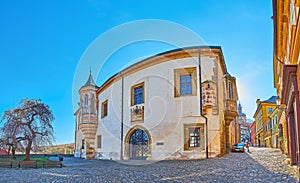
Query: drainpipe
201	114
122	114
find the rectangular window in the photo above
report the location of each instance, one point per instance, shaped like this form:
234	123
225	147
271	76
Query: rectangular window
185	81
230	91
186	84
194	137
104	109
98	141
137	94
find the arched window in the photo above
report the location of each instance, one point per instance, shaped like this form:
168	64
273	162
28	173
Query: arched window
86	100
85	104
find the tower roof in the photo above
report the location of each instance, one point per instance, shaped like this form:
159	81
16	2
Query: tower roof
90	81
240	110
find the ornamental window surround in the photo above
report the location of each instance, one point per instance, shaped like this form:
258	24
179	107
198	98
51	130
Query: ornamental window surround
185	82
194	136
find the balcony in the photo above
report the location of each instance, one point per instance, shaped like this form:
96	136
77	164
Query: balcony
230	111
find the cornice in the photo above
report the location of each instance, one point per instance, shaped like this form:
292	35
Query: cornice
165	57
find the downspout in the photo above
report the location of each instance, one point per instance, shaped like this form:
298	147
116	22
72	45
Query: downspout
200	110
122	114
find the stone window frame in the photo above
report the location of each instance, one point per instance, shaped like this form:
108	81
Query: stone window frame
99	141
104	108
186	129
177	82
132	93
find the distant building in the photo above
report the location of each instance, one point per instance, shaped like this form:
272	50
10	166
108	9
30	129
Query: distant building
244	127
253	134
263	111
151	110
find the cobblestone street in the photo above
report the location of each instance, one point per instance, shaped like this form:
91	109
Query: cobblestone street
261	165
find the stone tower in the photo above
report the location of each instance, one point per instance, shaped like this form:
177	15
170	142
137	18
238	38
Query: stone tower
88	115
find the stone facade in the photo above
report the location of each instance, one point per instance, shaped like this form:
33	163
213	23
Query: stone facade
286	63
152	109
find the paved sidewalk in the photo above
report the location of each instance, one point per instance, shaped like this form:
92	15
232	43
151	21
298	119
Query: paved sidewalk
273	160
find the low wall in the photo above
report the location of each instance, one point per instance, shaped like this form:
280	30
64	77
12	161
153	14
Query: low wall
36	155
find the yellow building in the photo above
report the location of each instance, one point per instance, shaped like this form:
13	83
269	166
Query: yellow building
261	116
286	62
272	137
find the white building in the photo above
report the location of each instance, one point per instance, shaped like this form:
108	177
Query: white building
151	110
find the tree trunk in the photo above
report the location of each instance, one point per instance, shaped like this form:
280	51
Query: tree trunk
8	150
13	152
27	151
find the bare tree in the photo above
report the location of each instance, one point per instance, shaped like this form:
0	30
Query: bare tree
29	124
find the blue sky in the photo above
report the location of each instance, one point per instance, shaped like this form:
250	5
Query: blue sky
43	41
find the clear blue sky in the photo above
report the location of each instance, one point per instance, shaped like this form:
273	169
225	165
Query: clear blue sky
41	43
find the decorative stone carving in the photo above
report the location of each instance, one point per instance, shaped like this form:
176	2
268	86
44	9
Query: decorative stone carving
137	113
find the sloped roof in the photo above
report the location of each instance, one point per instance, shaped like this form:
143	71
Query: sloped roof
270	100
167	56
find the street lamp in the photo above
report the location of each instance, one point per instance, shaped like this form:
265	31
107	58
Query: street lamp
278	100
278	103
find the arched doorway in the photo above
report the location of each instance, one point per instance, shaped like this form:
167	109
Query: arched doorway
139	145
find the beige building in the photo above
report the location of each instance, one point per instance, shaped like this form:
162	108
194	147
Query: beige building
152	110
286	70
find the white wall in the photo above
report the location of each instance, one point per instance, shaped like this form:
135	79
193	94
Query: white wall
164	114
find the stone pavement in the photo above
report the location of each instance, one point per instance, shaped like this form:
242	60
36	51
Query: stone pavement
273	160
261	165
